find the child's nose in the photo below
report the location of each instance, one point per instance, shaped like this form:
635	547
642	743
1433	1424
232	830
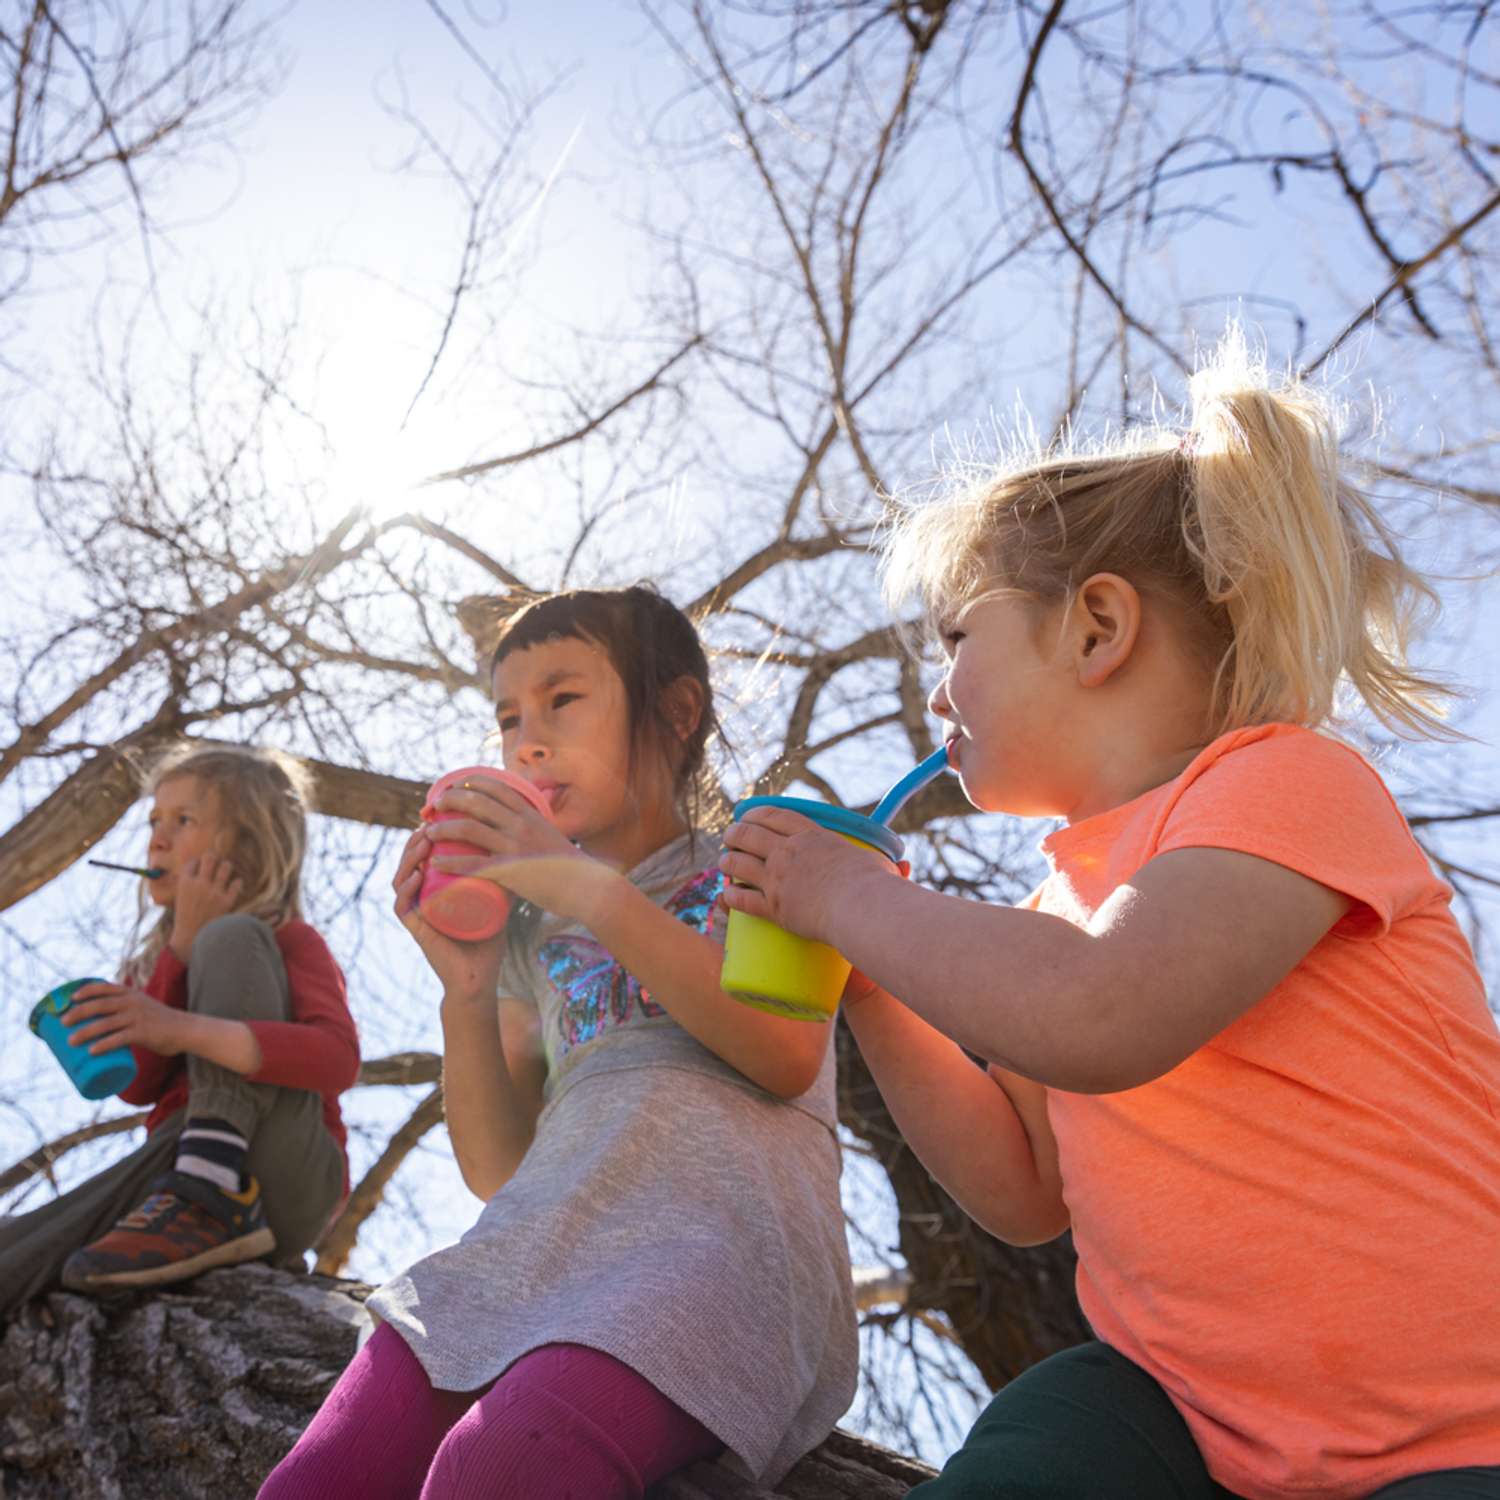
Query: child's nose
937	701
531	748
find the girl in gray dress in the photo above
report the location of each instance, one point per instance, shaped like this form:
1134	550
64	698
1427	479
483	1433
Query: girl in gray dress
659	1273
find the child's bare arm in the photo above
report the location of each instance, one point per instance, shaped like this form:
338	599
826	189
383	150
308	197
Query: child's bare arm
676	964
983	1134
493	1067
680	969
220	1039
493	1072
109	1016
1176	953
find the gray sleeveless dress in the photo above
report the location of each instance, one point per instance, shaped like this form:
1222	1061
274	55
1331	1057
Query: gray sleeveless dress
668	1212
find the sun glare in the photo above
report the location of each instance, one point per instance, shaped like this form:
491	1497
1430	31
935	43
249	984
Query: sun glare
374	469
377	441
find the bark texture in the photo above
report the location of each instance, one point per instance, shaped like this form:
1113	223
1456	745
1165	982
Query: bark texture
195	1393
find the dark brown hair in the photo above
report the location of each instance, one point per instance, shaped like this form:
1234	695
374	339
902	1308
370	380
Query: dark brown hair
652	645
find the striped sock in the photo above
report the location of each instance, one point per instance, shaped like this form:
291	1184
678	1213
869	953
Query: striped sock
213	1150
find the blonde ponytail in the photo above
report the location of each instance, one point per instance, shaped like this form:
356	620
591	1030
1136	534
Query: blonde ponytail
1288	581
1283	542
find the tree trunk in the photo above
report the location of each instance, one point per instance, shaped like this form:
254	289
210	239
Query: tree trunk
1009	1307
198	1391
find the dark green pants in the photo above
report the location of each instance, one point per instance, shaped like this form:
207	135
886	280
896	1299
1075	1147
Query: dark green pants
1088	1424
236	972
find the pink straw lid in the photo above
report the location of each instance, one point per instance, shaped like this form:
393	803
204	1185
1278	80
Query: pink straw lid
513	779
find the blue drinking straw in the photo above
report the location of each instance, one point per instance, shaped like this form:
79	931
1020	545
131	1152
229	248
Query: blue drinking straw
910	784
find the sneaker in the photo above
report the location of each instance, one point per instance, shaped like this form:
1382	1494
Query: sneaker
186	1225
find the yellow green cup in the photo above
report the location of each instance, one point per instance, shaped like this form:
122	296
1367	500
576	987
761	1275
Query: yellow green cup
773	969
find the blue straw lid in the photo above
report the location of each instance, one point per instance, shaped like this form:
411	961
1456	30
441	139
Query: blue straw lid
839	819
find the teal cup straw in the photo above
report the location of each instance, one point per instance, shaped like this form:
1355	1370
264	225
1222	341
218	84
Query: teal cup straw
95	1076
910	784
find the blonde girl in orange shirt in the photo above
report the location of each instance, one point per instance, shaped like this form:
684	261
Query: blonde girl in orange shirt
1236	1041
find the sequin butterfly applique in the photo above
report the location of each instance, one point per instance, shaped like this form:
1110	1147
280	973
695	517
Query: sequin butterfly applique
597	992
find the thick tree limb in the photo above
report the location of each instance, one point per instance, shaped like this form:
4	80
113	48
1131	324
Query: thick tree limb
401	1069
783	549
365	796
41	1160
297	571
338	1239
68	823
880	1286
199	1390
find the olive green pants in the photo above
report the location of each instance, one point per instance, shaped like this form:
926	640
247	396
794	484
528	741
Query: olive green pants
1087	1424
236	972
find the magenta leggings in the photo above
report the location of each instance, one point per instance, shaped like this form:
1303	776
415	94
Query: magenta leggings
562	1423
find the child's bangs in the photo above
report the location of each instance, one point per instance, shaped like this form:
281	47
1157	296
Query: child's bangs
940	552
577	616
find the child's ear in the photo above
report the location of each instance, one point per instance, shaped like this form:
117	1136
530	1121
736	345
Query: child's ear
682	703
1105	626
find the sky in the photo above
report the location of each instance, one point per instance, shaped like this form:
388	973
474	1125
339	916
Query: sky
310	218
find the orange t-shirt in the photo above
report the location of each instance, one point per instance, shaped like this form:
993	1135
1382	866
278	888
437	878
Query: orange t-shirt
1296	1230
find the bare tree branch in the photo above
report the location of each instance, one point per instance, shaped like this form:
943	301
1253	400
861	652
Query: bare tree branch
1402	279
592	425
1049	202
338	1239
41	1161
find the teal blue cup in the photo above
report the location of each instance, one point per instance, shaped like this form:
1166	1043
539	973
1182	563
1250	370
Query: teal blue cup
95	1076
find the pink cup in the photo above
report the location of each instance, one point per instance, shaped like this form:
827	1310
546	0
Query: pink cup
465	906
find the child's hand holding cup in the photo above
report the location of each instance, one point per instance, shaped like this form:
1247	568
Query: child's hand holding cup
775	970
94	1075
467	907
